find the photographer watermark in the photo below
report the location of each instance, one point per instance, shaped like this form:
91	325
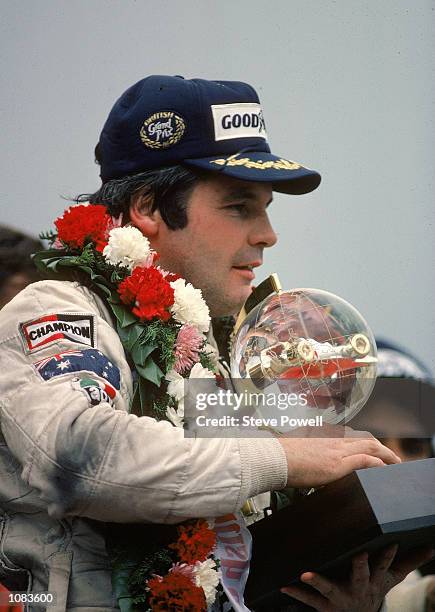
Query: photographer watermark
210	411
227	398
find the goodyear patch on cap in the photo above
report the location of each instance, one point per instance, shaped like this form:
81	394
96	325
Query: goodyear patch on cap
162	130
242	120
40	333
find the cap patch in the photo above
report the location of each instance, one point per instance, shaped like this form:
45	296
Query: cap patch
276	164
89	360
40	333
162	130
242	120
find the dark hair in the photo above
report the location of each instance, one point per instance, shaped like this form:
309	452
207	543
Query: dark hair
15	251
168	187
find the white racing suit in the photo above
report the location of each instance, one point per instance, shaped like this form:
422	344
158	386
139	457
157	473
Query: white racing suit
71	456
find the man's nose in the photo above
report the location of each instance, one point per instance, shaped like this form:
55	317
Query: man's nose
263	234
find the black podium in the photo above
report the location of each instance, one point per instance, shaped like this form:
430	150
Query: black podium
364	511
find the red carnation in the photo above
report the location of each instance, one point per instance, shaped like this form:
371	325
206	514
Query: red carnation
195	543
150	293
80	224
171	277
175	592
5	594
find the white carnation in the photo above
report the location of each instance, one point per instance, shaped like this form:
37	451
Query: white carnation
212	353
176	415
127	247
176	390
189	306
199	372
207	577
176	384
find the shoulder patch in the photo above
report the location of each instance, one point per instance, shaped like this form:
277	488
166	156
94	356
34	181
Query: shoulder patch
88	360
95	391
40	333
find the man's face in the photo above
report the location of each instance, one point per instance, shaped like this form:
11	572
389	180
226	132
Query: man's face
13	285
228	228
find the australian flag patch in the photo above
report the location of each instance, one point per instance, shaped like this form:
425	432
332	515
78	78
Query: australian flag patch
88	360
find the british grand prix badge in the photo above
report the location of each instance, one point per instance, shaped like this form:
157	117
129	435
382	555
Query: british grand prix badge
162	130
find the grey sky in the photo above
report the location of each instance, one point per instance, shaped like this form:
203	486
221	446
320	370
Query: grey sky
347	87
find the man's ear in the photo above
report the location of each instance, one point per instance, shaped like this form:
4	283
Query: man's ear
142	216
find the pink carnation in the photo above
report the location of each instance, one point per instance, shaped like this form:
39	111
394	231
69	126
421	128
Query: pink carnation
187	346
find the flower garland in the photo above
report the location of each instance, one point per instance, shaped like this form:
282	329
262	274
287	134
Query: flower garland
161	321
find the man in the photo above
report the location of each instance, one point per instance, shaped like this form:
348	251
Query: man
401	412
186	162
16	267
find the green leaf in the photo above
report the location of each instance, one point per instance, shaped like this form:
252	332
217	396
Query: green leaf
118	275
48	261
140	352
150	371
39	259
143	396
115	299
120	582
121	575
50	253
105	289
126	604
131	334
124	316
136	404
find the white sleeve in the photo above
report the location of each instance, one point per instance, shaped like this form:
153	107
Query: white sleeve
409	595
101	462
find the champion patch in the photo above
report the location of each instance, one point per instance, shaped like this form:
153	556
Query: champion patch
94	390
242	120
42	332
88	360
162	130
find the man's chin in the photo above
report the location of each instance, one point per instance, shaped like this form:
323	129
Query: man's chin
246	293
241	299
229	307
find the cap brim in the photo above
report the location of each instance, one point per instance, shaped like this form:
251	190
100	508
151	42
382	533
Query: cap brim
285	175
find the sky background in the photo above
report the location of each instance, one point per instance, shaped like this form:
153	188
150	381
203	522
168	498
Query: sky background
347	87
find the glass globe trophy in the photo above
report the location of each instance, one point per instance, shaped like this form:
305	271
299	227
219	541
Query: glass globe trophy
305	344
314	347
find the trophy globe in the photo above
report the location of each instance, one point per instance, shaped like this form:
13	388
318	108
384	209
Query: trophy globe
306	344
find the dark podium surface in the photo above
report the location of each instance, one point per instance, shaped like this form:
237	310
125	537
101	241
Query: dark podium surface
364	511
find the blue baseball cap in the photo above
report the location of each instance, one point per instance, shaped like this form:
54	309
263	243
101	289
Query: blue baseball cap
396	362
211	125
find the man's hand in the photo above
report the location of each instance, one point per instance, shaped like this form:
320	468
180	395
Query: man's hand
316	461
430	596
366	587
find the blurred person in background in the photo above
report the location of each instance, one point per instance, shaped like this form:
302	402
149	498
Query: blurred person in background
401	412
16	272
16	267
